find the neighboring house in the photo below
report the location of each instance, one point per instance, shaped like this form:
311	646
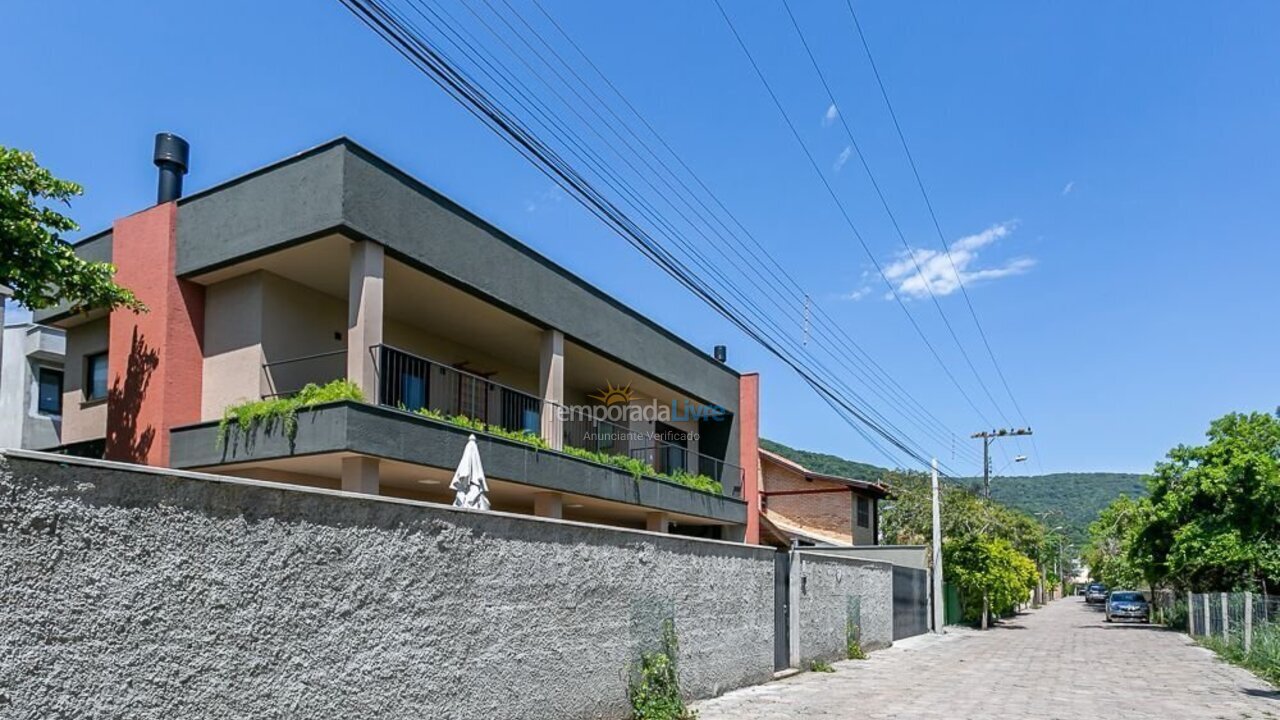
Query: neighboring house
31	380
812	508
334	264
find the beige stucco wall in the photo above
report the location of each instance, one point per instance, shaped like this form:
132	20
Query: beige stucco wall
83	420
232	343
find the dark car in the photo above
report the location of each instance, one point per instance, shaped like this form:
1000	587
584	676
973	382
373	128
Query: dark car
1095	593
1128	605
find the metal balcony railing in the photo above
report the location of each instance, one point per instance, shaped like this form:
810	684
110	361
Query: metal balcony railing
669	458
289	375
411	382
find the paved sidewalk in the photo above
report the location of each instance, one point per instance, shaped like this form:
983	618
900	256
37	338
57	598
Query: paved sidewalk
1061	661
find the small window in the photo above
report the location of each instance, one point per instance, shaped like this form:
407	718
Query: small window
49	394
95	377
864	512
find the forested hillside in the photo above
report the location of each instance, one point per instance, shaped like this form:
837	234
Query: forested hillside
1077	496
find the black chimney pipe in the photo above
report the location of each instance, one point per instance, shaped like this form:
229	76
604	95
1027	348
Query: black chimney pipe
721	353
171	156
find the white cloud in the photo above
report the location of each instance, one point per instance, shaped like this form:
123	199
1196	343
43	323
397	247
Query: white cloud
855	295
830	116
551	194
842	158
1066	189
913	274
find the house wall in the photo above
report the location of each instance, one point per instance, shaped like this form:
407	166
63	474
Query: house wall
15	381
828	584
832	512
83	420
193	596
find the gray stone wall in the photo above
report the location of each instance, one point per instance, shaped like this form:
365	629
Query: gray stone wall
162	594
827	583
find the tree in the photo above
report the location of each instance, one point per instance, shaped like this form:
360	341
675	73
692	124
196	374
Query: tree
1112	553
39	267
987	548
990	568
1215	509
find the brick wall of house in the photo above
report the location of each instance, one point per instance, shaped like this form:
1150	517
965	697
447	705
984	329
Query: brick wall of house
831	512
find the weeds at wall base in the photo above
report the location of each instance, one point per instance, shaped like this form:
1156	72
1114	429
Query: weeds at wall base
654	685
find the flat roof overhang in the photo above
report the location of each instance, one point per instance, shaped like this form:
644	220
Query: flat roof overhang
402	437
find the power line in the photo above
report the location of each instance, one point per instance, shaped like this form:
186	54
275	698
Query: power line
937	226
392	28
845	213
884	203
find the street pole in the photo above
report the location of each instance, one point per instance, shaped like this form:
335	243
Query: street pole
988	436
939	599
986	468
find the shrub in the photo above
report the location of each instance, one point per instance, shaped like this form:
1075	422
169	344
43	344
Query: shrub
654	689
821	666
270	413
469	423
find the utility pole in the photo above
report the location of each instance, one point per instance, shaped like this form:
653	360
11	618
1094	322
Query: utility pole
988	437
939	599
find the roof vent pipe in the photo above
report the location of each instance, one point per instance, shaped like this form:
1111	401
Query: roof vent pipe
721	353
172	154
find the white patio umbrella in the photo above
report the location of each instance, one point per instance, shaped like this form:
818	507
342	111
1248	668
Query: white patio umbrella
468	481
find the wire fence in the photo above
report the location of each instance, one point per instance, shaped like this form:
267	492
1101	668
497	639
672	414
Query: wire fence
1242	626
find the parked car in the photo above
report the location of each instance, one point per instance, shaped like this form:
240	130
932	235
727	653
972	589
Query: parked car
1128	605
1095	593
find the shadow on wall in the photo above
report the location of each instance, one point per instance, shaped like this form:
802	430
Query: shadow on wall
125	440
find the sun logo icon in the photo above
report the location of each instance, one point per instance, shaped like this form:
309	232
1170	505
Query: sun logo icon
614	395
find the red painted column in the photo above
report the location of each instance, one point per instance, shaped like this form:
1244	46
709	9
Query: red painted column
155	359
749	452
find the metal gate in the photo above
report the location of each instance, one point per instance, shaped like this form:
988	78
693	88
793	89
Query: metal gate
910	602
781	611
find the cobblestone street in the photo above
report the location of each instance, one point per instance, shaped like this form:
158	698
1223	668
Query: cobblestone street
1061	661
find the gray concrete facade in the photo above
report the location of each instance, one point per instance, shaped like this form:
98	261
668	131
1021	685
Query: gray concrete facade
140	592
341	187
26	349
827	585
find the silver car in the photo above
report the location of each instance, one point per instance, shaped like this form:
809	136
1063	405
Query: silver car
1128	605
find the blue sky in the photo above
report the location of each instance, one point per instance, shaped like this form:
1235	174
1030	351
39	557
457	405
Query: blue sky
1114	170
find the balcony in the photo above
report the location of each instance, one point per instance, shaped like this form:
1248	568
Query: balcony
426	387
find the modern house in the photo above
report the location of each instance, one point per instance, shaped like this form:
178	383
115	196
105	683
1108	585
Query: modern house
800	506
31	380
334	265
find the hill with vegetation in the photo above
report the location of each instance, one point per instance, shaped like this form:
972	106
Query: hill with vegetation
1078	497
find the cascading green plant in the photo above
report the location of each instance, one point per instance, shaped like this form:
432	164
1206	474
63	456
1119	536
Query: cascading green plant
282	412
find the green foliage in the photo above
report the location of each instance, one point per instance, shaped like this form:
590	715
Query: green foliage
820	666
828	464
1074	498
35	262
1110	552
1214	515
636	467
654	688
639	468
853	646
988	566
468	423
1263	657
281	412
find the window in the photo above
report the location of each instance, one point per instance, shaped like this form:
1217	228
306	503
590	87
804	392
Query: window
49	393
95	377
864	512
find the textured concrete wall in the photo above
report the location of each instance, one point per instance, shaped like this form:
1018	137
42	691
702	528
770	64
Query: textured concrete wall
827	584
164	594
